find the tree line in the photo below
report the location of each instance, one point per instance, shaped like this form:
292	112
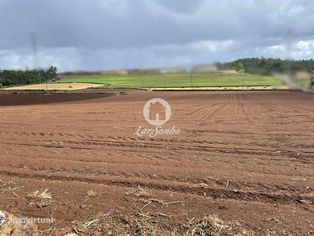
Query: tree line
267	65
19	77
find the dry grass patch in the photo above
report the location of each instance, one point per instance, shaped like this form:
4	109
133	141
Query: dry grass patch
56	86
84	227
138	192
155	224
10	186
89	194
40	199
214	226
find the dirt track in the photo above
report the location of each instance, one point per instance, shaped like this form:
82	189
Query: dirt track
247	157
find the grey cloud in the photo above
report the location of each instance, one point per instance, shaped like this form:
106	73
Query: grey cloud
180	6
81	34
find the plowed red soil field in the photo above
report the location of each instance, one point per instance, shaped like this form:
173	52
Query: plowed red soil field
246	158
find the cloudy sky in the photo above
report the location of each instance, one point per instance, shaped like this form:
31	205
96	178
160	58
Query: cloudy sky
114	34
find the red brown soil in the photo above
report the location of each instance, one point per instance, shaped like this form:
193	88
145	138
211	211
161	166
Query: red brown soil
41	98
247	157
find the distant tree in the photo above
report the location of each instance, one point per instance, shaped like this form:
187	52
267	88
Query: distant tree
267	65
12	77
239	67
52	72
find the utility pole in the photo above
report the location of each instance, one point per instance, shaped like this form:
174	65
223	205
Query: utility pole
34	50
35	58
47	91
191	80
312	75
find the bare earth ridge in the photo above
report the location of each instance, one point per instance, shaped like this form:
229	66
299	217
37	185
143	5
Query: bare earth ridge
246	157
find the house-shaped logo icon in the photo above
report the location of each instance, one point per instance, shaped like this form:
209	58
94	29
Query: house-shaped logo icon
157	111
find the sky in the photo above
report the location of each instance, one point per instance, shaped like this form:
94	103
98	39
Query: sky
122	34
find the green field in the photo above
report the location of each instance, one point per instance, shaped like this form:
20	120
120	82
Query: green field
215	79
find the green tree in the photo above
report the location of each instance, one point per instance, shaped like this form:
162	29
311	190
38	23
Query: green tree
52	72
12	77
239	67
